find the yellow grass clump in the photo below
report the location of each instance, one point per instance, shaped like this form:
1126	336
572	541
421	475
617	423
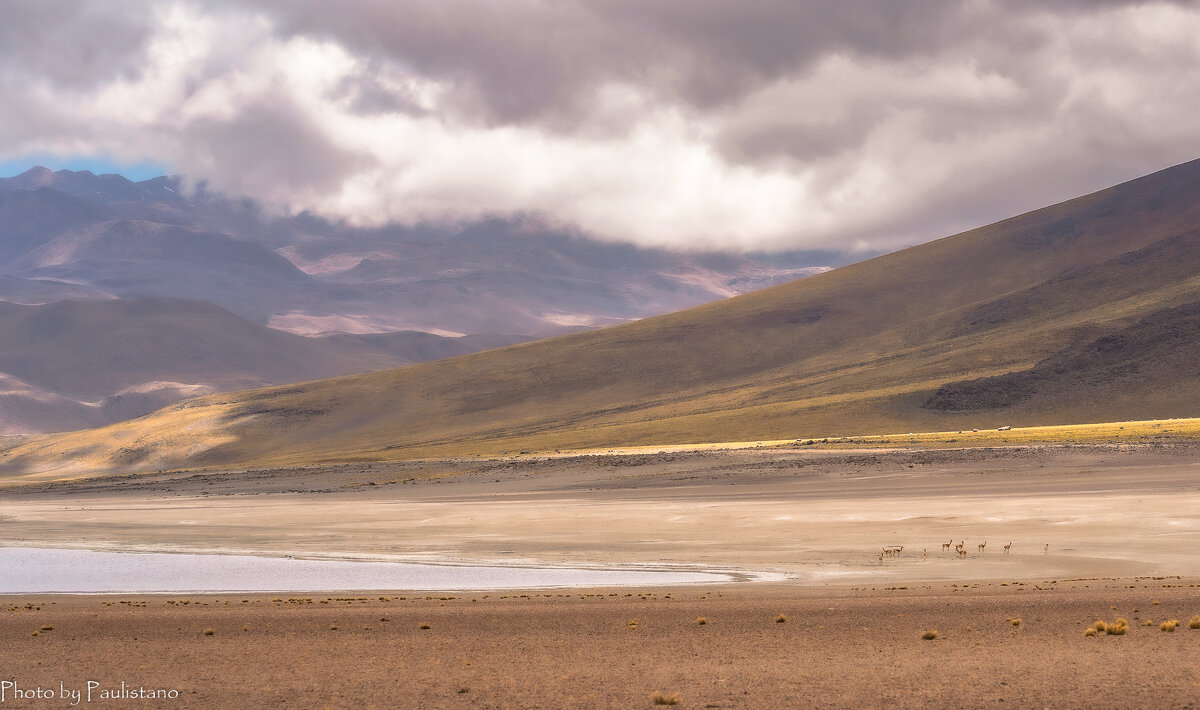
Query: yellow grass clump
1194	622
1169	625
1116	628
781	619
664	699
930	635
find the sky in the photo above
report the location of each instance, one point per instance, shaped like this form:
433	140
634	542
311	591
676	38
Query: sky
852	125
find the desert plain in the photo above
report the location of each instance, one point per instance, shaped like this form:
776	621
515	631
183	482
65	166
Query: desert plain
814	613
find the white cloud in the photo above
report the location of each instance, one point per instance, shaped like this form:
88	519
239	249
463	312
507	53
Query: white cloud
622	124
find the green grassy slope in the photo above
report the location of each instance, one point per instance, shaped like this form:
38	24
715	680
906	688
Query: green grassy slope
857	350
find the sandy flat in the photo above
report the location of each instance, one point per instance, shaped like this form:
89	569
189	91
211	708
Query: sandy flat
1122	523
814	516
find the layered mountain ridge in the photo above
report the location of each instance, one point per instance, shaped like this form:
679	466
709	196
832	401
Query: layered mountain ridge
312	276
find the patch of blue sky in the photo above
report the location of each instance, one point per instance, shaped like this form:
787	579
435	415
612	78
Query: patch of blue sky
97	164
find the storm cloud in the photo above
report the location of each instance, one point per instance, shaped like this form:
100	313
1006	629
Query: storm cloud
766	124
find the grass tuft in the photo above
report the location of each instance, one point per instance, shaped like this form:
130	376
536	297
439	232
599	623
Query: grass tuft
47	628
426	626
930	635
781	619
1116	628
1194	622
1169	625
702	621
209	632
664	699
1090	631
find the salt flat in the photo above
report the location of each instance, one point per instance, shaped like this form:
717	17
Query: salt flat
39	570
813	517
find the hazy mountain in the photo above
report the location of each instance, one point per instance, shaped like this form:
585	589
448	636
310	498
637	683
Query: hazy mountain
312	276
1084	311
69	365
35	291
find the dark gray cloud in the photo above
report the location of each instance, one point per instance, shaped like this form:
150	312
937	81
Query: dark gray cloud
74	43
271	148
525	60
757	124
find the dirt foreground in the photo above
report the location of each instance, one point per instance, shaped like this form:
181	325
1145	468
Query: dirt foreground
1020	645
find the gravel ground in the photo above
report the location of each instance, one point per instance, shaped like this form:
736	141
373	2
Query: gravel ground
838	647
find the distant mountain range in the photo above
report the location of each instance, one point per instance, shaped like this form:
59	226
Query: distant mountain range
79	235
1085	311
127	254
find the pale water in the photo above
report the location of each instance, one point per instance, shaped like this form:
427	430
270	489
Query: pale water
25	570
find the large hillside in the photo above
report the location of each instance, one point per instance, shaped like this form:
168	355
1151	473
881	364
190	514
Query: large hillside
1092	301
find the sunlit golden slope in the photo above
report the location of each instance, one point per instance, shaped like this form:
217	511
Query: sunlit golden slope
883	345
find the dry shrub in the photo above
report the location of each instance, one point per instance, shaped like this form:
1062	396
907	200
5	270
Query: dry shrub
1194	622
702	621
1169	625
781	619
1116	628
930	635
664	699
209	632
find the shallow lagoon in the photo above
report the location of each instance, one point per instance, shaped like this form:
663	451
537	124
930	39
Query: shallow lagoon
28	570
